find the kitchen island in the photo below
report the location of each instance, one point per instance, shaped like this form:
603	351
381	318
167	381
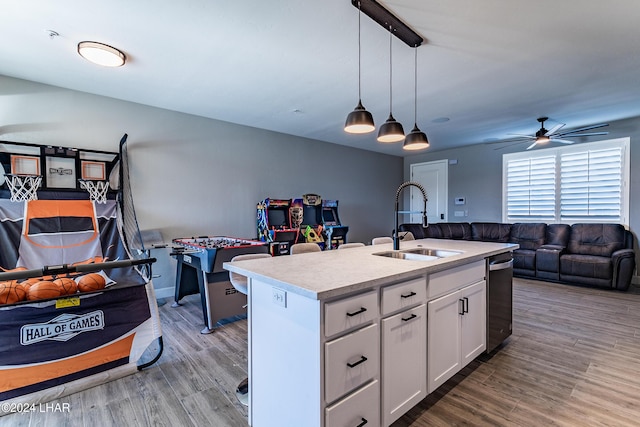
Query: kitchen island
357	337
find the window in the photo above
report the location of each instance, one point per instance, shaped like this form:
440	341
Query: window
582	183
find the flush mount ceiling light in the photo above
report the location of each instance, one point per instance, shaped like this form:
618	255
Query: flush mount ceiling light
101	54
416	140
359	120
391	130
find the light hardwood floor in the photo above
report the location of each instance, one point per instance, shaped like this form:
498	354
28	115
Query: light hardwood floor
573	360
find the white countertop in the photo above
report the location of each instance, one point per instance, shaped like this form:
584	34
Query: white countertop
322	275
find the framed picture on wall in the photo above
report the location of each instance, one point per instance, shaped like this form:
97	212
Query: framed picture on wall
61	172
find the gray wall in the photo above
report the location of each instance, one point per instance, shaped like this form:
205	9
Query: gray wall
478	175
196	176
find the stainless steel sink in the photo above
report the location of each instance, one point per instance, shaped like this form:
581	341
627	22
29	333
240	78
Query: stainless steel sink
418	254
439	253
407	256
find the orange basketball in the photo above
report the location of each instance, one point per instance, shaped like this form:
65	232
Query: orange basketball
91	282
42	290
67	286
11	292
26	284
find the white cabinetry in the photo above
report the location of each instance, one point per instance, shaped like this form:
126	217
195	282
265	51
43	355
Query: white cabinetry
456	332
404	355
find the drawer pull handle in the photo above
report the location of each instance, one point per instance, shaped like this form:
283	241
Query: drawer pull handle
409	295
461	306
413	316
364	421
353	365
466	305
362	310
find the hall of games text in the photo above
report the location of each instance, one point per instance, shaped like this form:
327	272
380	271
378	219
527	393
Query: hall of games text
34	407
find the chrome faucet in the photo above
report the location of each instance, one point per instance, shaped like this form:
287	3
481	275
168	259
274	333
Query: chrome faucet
425	223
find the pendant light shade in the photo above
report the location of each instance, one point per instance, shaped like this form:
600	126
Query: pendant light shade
416	140
391	130
359	120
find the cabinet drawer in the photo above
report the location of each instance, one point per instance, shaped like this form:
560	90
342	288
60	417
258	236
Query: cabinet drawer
349	312
357	409
446	281
403	295
351	361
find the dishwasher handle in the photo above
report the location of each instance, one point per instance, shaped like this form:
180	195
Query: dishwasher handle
500	265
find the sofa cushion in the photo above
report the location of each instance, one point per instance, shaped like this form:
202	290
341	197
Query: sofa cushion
528	235
490	231
573	267
455	230
416	229
596	239
558	234
524	262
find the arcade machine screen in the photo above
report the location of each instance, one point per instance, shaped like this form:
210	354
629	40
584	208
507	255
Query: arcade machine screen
335	231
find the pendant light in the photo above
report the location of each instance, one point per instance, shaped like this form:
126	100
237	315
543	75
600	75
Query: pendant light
416	140
391	130
359	120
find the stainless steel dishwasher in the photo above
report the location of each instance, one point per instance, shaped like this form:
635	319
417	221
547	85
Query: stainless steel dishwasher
499	299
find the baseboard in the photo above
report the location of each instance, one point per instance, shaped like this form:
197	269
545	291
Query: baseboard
164	292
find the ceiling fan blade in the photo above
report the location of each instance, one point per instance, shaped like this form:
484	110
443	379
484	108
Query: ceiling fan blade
563	141
555	129
532	145
508	145
601	125
571	135
522	135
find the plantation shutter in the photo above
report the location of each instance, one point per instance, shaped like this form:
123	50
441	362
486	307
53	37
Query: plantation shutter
591	184
531	187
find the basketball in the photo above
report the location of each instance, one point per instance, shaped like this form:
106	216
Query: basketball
26	284
42	290
11	292
91	282
67	286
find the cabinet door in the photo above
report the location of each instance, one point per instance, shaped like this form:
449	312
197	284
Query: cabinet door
404	369
443	349
473	322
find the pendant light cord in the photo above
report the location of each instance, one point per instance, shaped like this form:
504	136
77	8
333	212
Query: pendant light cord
359	54
390	69
415	86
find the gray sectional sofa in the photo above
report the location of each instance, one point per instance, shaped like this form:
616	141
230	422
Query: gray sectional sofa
596	254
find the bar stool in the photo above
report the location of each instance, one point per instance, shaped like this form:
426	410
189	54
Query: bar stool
351	245
381	240
302	248
241	284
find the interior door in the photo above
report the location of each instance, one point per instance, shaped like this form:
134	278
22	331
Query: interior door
433	176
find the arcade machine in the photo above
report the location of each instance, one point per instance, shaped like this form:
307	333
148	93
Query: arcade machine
311	228
275	225
336	232
200	270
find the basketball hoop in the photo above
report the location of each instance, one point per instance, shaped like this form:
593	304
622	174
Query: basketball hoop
97	189
23	187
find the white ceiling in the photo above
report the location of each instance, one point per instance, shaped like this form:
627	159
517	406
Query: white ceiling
492	66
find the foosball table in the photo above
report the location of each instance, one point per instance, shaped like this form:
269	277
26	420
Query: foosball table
199	270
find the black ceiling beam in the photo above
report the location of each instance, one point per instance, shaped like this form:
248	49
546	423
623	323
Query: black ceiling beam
386	19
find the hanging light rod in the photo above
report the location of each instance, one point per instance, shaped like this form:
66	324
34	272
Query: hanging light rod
386	19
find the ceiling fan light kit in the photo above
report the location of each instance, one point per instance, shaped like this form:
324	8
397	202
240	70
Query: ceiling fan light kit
543	136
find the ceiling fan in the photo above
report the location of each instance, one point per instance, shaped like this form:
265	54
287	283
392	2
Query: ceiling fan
543	135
